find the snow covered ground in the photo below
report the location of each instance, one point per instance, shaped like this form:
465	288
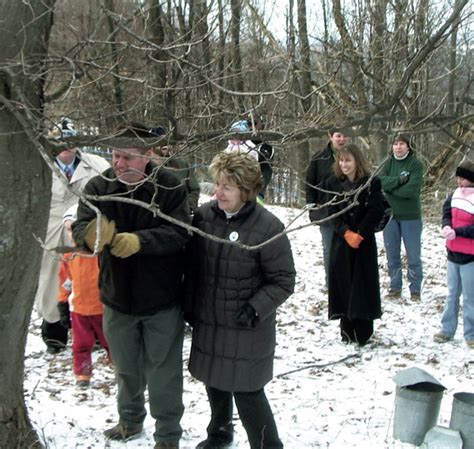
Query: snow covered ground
336	396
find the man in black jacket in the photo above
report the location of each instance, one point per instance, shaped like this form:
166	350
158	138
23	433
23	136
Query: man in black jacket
319	169
141	259
266	153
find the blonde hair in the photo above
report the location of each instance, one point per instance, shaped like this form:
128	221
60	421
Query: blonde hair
240	168
362	164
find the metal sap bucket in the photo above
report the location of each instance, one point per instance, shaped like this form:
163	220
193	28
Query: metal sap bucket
462	417
417	402
442	438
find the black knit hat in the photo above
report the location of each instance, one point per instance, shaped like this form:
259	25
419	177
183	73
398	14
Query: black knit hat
466	170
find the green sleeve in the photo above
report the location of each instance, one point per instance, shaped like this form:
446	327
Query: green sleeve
412	188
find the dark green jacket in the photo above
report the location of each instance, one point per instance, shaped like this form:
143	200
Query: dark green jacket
405	198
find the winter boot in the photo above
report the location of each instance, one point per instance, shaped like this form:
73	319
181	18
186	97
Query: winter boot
123	432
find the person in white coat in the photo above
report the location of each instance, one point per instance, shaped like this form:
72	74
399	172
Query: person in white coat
76	169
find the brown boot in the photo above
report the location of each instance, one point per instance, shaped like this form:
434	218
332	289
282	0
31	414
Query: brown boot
123	432
166	445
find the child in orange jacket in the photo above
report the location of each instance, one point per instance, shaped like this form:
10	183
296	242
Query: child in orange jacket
79	304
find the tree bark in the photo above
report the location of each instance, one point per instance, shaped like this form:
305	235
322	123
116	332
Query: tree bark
305	89
379	36
450	100
158	76
25	186
118	95
236	63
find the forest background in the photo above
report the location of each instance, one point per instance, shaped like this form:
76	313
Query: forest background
374	68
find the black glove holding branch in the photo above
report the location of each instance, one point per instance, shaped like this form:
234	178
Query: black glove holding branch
246	316
64	315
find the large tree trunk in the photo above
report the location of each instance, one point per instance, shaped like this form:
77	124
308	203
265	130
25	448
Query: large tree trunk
156	33
25	185
306	99
114	53
236	61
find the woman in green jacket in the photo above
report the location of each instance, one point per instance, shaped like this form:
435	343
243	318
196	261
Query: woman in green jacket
402	177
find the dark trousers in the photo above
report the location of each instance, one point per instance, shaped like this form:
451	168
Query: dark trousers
267	172
255	414
357	331
54	335
147	352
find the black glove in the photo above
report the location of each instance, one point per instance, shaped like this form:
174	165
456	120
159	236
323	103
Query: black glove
313	215
64	315
246	316
404	177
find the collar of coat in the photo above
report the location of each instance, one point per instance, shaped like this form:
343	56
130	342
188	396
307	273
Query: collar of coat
247	209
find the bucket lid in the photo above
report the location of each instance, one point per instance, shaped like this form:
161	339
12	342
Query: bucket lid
413	376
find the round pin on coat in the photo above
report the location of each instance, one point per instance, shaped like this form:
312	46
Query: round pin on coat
234	236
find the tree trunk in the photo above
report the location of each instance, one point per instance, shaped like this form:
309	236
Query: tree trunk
306	100
158	76
220	74
113	30
25	186
236	62
450	100
377	49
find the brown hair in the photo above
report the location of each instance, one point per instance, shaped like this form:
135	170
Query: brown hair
240	168
362	164
403	138
337	129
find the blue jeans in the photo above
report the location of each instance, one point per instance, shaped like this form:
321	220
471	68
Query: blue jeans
327	232
410	232
460	280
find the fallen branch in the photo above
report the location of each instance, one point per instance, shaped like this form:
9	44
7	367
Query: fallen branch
318	365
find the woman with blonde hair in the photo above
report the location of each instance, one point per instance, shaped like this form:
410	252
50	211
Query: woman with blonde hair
232	294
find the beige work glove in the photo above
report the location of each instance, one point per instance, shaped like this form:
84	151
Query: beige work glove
105	236
125	244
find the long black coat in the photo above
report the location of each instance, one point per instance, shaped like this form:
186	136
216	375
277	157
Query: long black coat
354	290
220	280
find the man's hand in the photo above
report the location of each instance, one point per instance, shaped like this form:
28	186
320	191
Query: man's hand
125	244
105	235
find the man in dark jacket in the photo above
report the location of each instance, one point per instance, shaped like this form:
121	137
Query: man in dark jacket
140	257
319	169
266	153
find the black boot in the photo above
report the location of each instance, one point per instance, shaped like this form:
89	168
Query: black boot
54	335
218	440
